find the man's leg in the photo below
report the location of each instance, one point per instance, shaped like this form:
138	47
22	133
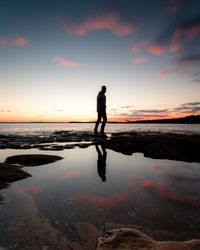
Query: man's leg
98	121
104	121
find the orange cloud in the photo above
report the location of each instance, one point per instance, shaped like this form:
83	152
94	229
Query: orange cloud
67	63
166	74
183	32
109	21
138	60
156	49
3	42
111	201
71	174
19	41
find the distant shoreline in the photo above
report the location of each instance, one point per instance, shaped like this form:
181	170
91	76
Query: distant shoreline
193	119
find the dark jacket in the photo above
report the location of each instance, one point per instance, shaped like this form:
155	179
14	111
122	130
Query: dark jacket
101	101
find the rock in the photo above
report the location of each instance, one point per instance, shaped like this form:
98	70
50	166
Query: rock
128	238
10	173
32	159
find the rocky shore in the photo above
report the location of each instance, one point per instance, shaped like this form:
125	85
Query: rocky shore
154	145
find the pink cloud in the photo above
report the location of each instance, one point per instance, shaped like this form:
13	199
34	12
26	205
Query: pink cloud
112	201
3	42
67	63
19	41
71	174
32	189
178	198
155	166
167	74
138	45
156	49
148	184
138	60
109	21
183	32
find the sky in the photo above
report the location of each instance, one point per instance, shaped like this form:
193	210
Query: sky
55	55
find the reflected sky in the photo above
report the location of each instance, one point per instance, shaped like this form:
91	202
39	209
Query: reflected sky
98	185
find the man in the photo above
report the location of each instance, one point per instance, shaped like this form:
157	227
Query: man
101	110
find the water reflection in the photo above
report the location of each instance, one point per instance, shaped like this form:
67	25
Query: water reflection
101	162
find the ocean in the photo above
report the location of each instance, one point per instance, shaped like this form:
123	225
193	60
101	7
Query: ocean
45	129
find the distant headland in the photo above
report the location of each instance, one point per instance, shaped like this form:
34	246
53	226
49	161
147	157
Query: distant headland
192	119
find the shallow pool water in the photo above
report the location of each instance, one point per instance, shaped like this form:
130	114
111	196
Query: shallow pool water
70	203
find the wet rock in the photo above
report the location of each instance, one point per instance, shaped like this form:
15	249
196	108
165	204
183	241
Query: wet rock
10	173
32	159
128	238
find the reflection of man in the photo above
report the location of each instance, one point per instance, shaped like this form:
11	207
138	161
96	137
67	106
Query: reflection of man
101	110
101	162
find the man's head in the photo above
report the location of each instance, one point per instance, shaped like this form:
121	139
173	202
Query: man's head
103	89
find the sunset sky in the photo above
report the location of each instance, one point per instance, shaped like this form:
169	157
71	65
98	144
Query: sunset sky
55	55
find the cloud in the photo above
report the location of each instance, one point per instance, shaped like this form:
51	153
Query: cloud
157	166
190	107
189	61
16	41
110	21
156	49
31	189
8	111
3	42
138	60
184	32
163	73
19	41
138	45
148	184
72	174
112	201
183	177
67	63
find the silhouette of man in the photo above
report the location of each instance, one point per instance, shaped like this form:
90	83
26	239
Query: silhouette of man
101	162
101	110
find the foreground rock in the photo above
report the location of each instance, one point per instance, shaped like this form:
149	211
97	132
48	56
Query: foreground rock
10	173
128	238
159	146
32	159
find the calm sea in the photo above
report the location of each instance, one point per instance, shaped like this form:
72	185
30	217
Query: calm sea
43	129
